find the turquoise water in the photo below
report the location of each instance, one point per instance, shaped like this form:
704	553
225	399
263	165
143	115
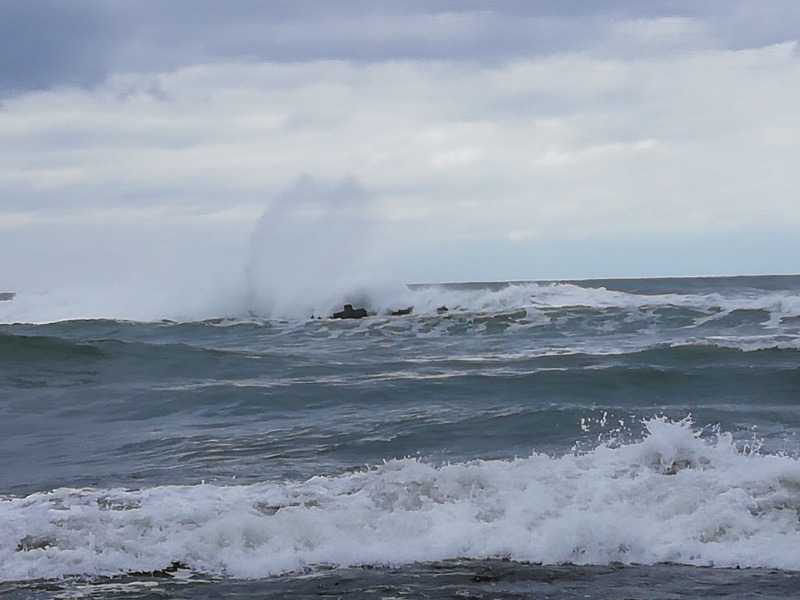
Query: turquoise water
604	423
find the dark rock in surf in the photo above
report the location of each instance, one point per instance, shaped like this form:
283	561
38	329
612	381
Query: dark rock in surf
350	313
401	311
30	542
442	309
6	296
678	465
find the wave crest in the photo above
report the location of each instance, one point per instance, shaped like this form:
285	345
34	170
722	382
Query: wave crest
677	495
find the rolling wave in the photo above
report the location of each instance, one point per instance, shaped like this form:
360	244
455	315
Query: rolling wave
680	494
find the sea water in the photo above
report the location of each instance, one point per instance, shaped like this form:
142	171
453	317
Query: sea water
599	439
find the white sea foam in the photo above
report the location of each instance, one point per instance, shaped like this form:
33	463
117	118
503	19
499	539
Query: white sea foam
300	298
672	496
533	298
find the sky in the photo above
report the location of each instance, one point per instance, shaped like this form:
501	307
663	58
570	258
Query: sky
185	146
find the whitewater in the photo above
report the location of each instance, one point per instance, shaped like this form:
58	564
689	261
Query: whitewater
585	436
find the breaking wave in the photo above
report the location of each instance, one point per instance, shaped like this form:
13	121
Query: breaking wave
773	306
679	494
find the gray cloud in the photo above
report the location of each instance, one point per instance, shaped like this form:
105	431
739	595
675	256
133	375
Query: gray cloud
45	43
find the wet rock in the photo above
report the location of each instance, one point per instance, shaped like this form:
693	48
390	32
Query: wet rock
30	542
678	465
349	312
402	311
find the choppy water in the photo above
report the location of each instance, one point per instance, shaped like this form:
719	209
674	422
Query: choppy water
557	434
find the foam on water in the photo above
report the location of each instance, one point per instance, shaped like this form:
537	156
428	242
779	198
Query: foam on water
300	299
680	494
577	317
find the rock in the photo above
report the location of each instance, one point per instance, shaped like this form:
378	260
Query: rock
678	465
6	296
30	542
442	309
401	311
350	313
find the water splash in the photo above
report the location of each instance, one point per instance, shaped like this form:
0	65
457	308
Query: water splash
313	251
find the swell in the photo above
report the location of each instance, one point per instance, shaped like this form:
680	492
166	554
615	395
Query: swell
54	345
42	361
16	348
199	356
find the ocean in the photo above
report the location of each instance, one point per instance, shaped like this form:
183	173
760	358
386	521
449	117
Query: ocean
585	439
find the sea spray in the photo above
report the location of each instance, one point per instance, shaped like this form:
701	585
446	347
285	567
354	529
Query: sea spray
312	251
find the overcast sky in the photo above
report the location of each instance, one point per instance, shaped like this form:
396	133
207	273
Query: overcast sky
159	141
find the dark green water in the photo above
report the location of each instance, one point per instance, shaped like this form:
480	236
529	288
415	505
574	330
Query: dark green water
585	423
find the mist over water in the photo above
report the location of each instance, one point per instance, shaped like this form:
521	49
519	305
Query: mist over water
312	251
